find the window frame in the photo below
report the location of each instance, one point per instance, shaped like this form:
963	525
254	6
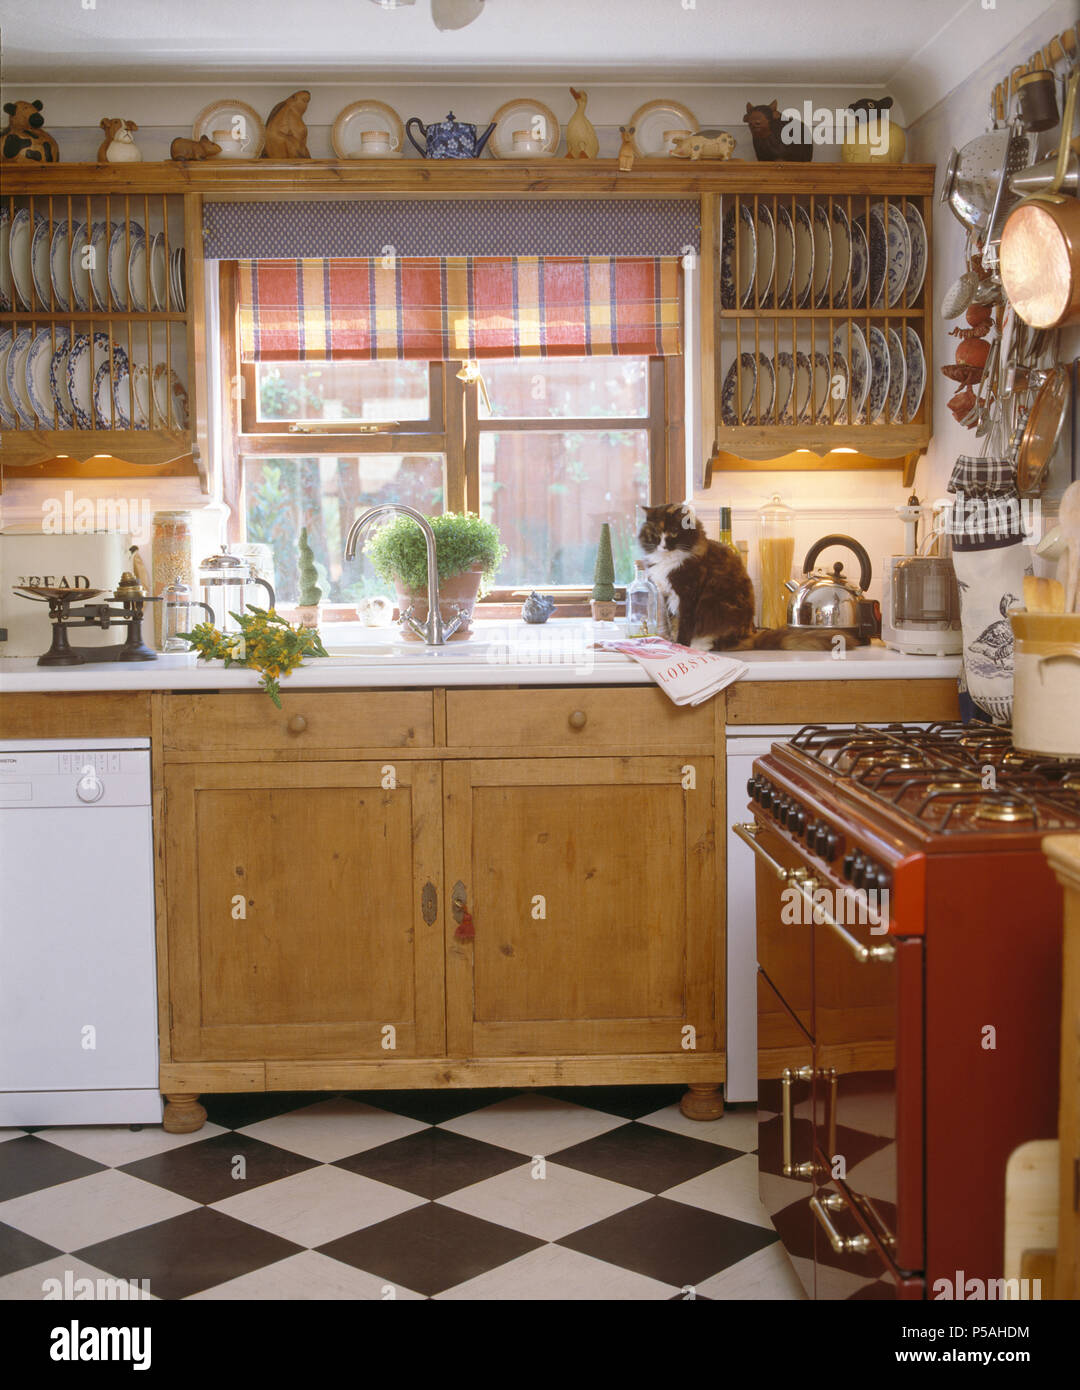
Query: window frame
453	429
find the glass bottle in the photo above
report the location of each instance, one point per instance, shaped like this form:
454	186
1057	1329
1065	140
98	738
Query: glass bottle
725	528
776	555
642	604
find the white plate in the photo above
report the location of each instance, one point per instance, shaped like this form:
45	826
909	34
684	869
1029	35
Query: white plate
80	275
58	377
143	396
363	116
822	255
766	254
538	120
651	120
19	257
159	273
804	258
15	376
894	410
785	258
239	118
915	364
178	416
136	271
920	254
784	370
8	417
100	234
841	254
47	408
744	251
39	262
123	238
744	413
897	253
857	362
6	287
860	265
880	370
831	376
59	265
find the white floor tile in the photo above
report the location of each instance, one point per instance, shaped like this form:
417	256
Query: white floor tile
319	1205
534	1124
552	1272
73	1214
333	1129
306	1277
11	1134
766	1274
735	1129
117	1144
28	1284
549	1207
730	1190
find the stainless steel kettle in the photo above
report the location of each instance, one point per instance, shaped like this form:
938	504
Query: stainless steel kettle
828	599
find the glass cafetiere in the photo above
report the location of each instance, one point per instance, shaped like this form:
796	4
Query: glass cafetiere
226	582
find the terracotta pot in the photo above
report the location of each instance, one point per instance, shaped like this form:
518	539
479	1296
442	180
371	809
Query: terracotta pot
458	592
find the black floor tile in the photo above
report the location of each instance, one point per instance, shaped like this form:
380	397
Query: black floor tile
433	1162
644	1157
207	1171
430	1248
18	1250
29	1164
188	1253
670	1241
631	1102
433	1107
236	1109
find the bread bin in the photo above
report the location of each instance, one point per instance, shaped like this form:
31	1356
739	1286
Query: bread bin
1046	683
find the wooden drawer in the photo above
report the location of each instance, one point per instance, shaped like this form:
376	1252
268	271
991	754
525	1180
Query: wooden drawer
841	702
219	725
590	720
75	714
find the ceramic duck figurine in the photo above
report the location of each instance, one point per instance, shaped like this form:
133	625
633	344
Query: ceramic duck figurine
581	138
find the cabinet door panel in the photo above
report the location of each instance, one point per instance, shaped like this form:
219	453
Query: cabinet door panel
591	886
296	922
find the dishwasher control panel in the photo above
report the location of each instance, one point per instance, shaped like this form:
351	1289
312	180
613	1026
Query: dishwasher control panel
95	775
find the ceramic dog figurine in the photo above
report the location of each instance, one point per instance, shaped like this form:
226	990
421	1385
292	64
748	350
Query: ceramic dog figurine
203	148
701	146
118	147
23	138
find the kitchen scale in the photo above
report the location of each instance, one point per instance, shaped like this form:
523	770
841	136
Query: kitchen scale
131	599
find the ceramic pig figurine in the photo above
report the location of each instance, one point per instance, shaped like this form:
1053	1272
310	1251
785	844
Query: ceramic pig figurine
701	146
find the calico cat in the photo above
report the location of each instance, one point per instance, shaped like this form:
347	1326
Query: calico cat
706	590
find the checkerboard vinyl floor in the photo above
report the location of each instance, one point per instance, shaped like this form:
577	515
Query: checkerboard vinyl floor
582	1193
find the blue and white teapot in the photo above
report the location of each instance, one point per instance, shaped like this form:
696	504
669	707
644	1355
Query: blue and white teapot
448	139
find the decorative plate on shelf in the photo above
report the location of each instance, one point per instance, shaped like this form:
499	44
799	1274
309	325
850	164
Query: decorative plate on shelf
762	402
243	122
48	408
167	384
158	269
784	370
15	376
19	257
527	118
652	120
841	254
804	258
138	288
880	369
920	254
743	413
860	265
797	409
894	409
8	416
785	257
857	363
817	405
745	252
368	118
100	235
915	364
898	254
121	244
59	263
879	255
766	254
6	287
39	262
113	397
823	252
80	275
837	377
85	359
58	377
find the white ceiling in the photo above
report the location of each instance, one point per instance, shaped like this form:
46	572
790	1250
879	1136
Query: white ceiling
777	42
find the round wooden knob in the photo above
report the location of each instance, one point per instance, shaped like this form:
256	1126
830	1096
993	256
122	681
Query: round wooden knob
577	719
297	724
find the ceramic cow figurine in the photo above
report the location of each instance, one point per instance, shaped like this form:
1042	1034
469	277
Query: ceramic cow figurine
24	138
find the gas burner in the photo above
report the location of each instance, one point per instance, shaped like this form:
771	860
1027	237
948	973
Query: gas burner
1009	810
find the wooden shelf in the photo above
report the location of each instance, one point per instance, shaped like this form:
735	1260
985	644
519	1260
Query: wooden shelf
97	453
90	315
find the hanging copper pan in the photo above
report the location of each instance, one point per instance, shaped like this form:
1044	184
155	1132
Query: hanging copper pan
1043	431
1039	258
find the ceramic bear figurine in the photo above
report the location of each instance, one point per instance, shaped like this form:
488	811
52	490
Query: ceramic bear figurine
766	130
118	147
286	133
24	137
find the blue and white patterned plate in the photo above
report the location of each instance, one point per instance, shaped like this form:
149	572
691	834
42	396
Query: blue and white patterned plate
898	254
857	361
762	402
823	251
743	414
804	258
879	255
100	233
860	266
915	384
15	376
784	368
919	252
6	288
80	275
785	257
121	240
766	254
8	417
834	397
894	410
58	376
40	267
111	399
59	264
747	258
19	257
84	362
879	375
48	408
137	271
841	254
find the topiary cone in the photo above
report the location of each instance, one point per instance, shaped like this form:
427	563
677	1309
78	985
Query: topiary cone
603	591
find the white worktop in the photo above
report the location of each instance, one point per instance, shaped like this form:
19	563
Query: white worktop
557	653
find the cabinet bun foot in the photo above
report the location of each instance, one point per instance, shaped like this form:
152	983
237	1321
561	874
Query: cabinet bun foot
183	1115
700	1102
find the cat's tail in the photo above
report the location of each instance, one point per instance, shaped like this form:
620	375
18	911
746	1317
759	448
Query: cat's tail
788	639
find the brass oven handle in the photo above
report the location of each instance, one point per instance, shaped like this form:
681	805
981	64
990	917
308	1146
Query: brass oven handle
843	1245
831	1075
748	831
884	954
787	1077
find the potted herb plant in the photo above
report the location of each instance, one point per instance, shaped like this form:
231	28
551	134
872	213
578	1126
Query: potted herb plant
469	554
310	593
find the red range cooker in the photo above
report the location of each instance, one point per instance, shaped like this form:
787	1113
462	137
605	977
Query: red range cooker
909	951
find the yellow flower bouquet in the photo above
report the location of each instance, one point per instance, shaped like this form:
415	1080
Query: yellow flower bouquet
265	643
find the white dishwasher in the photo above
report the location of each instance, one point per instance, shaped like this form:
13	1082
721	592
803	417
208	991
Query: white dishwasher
78	988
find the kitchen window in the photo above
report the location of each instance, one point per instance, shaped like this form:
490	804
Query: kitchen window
548	448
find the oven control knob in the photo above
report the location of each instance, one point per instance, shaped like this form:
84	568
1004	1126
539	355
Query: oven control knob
766	796
858	867
883	881
783	808
89	787
751	787
849	863
797	821
828	844
817	840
